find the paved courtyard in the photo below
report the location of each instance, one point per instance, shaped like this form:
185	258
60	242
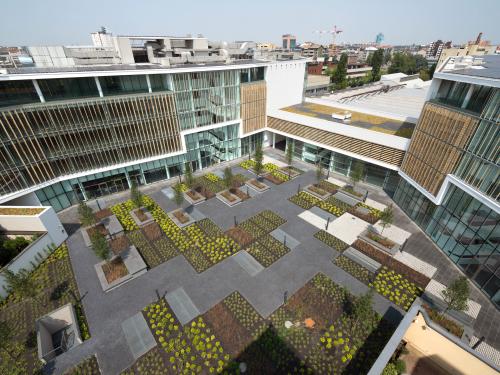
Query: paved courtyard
263	288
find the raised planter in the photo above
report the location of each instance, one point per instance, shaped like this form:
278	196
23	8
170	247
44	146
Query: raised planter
361	197
290	171
193	197
144	220
228	198
134	264
174	216
313	190
257	185
390	250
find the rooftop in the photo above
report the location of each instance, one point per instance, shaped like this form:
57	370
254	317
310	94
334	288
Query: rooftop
358	119
123	67
487	66
399	102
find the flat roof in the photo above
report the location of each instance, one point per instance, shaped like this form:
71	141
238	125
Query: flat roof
489	69
400	103
359	119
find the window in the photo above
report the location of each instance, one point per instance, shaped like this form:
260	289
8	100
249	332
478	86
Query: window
123	84
68	88
17	92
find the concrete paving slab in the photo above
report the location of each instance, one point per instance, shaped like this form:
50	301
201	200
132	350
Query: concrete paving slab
247	262
346	199
375	204
280	235
347	228
436	289
415	263
139	338
195	213
183	307
322	213
250	191
168	192
313	219
219	173
393	233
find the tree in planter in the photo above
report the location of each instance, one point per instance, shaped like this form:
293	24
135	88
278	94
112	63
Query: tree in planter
100	246
455	296
386	217
188	175
178	195
136	195
85	214
259	157
319	173
20	283
228	178
289	156
357	173
361	309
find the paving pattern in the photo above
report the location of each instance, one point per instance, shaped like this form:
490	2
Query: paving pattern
139	338
182	305
416	263
106	312
247	262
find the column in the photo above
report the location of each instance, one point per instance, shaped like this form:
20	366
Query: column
38	91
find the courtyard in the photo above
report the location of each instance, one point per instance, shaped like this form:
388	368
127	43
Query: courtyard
264	283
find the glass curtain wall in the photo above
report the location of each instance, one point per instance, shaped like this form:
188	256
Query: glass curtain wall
204	149
465	229
342	164
68	88
206	98
17	92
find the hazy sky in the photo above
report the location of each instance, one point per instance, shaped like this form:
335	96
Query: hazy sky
52	22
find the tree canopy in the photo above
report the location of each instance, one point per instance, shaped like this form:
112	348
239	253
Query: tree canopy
377	59
188	175
404	62
259	157
85	214
339	76
456	294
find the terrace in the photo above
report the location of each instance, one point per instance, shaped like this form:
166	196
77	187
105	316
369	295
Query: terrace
358	119
264	285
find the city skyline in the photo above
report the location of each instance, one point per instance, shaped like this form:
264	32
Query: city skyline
360	22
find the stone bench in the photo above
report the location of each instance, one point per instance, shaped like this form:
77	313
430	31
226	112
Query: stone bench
362	259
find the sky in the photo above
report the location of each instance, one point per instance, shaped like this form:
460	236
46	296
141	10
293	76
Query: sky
67	22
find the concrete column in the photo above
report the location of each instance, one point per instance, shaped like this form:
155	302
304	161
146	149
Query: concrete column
82	189
150	90
166	170
38	91
129	183
99	88
274	140
468	96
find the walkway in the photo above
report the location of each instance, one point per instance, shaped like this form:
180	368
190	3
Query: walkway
106	312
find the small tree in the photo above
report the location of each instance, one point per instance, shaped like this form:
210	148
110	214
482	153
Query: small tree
136	195
188	175
100	245
178	195
386	217
455	296
259	157
86	215
20	283
319	173
361	309
357	173
228	178
289	153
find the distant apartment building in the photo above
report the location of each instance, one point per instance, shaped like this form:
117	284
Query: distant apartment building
266	46
289	41
311	50
435	48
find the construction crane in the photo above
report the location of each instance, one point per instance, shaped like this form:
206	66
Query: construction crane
333	32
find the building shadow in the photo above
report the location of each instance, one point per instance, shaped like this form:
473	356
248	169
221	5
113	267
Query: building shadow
268	354
373	345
